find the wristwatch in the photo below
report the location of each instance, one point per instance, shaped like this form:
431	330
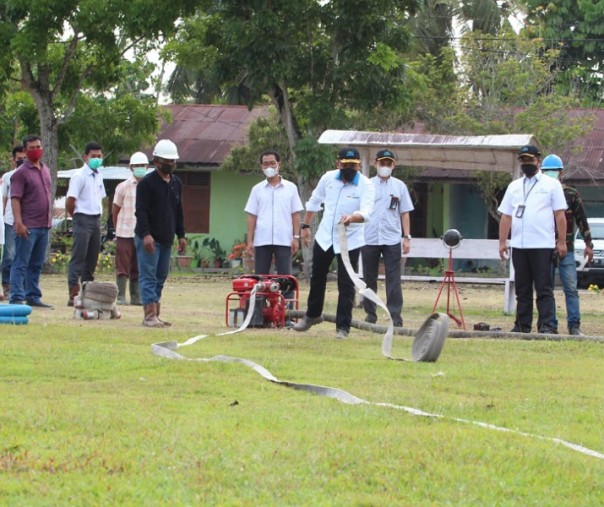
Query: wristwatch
304	226
407	236
296	236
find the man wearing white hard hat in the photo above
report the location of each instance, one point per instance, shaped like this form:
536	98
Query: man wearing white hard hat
159	216
124	218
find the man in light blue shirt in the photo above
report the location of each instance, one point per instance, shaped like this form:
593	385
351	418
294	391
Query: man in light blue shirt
347	196
389	225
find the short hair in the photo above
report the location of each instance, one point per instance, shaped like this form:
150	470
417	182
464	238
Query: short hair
270	152
17	149
30	139
92	146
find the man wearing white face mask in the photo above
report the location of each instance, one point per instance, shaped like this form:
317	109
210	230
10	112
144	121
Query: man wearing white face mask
273	219
124	218
389	226
85	204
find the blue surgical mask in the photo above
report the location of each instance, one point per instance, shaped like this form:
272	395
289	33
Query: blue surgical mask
552	174
139	172
95	163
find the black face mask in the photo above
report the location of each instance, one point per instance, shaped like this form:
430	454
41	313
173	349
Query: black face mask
529	170
165	168
348	174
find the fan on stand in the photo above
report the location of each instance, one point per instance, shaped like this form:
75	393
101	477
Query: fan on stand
451	239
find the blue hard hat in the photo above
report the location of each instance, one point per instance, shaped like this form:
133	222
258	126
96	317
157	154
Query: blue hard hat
552	163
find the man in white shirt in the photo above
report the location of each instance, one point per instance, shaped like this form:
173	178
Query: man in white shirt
85	204
273	219
531	207
8	252
389	225
347	197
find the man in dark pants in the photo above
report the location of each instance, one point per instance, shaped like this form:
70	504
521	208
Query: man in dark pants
390	225
159	216
530	207
85	204
347	197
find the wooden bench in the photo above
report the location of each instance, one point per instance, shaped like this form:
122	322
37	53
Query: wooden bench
474	249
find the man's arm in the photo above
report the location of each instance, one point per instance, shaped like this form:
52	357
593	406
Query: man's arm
251	228
560	217
296	229
505	225
20	229
115	211
70	205
583	226
406	228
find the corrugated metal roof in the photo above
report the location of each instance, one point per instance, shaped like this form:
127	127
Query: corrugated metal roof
495	153
206	133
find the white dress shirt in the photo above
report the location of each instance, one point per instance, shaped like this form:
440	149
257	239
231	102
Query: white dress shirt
341	198
88	189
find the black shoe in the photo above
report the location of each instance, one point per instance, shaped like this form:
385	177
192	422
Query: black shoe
547	330
370	319
39	304
575	330
17	302
396	323
518	329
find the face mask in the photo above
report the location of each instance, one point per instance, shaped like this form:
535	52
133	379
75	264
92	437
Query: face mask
139	172
384	171
348	174
18	162
269	172
529	170
95	163
165	167
552	174
35	154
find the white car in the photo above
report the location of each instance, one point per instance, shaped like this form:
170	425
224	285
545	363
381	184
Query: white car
593	272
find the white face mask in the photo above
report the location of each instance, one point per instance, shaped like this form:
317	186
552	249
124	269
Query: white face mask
384	171
269	172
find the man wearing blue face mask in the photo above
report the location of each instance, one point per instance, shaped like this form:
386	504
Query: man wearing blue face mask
124	218
85	204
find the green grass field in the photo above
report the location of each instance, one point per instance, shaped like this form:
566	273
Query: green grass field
89	416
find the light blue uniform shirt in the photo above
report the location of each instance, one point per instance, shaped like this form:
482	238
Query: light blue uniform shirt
341	198
391	199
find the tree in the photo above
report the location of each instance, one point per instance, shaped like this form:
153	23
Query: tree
58	51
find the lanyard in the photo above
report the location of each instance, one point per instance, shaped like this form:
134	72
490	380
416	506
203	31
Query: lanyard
524	192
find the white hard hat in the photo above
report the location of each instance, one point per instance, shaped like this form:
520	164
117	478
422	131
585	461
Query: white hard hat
165	149
138	158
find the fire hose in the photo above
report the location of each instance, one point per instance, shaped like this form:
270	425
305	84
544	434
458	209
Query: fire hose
168	350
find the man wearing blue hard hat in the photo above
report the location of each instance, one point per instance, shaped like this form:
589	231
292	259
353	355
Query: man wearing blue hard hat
575	214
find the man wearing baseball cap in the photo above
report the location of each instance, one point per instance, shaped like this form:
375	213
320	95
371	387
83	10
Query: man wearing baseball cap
532	207
347	197
389	226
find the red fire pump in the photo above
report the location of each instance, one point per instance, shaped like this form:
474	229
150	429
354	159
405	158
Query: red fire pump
270	305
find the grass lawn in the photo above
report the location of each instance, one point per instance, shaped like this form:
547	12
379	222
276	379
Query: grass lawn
89	416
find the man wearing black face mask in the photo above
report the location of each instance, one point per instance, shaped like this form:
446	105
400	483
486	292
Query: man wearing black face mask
530	208
347	197
159	216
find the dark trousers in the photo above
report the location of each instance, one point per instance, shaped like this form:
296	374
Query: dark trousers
533	267
321	261
263	258
126	264
85	250
392	267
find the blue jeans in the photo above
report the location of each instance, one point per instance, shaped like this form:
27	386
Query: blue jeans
8	254
153	269
568	276
27	265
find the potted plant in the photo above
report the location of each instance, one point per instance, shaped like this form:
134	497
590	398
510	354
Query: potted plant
236	255
202	255
219	253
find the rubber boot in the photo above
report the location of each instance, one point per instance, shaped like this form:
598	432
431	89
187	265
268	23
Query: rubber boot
157	310
74	290
121	289
135	295
151	319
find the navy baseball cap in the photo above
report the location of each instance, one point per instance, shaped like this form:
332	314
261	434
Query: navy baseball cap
382	154
529	150
348	155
